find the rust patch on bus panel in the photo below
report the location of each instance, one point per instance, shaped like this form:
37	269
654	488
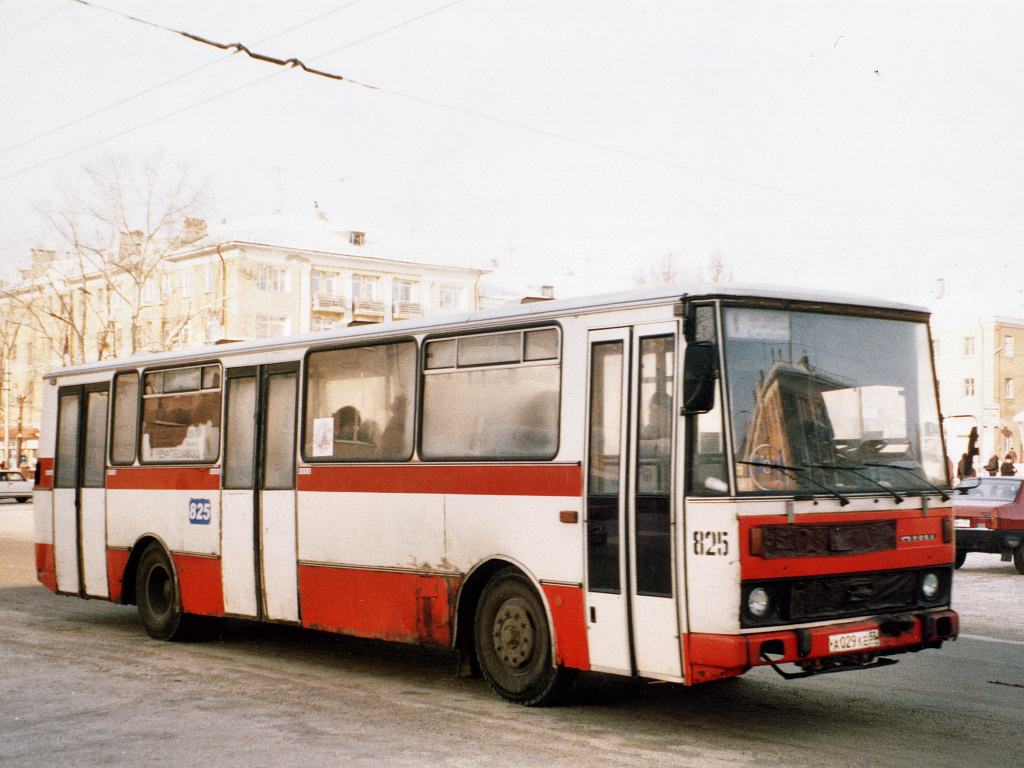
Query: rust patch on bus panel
383	605
46	566
117	564
828	540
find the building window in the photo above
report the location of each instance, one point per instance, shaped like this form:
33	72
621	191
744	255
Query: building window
165	287
1007	346
324	283
969	387
149	290
1008	389
365	287
357	238
403	290
451	298
322	323
270	326
210	278
213	327
271	279
968	345
186	285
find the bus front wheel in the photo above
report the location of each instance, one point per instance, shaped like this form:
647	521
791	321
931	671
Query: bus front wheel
156	592
513	642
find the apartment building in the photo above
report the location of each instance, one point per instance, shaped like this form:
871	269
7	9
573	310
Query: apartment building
978	342
259	278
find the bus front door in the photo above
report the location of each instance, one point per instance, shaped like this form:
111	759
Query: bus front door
258	529
632	595
79	491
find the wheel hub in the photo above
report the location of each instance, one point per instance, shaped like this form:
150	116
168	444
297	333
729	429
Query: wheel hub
513	633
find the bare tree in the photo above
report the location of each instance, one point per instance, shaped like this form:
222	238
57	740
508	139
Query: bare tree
108	239
664	271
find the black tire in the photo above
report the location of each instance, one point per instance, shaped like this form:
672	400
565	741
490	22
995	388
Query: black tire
159	603
961	556
513	642
1018	559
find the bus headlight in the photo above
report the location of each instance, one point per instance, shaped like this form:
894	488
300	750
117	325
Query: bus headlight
758	602
930	585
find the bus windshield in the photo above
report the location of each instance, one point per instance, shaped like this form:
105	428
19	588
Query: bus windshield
831	403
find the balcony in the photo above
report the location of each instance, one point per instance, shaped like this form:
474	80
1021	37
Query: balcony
367	310
325	303
403	310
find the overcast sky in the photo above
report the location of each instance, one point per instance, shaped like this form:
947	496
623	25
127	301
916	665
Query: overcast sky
855	146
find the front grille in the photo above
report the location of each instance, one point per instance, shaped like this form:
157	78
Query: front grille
821	598
828	540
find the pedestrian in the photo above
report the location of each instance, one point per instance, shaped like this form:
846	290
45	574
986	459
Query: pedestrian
1007	468
992	467
965	468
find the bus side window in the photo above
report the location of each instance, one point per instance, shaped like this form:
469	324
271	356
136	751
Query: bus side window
124	432
359	402
181	415
492	396
707	472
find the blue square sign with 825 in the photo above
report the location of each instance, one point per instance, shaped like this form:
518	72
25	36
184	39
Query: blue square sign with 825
199	511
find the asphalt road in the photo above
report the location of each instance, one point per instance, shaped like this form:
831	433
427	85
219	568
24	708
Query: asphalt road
82	685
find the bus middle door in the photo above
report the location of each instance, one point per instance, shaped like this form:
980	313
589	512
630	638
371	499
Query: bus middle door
258	529
632	607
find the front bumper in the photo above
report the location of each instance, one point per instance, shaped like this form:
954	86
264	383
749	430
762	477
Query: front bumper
719	656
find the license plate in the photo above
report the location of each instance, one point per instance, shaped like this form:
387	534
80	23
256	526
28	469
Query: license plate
853	641
961	522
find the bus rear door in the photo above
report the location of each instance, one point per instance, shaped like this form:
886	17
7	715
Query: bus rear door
79	493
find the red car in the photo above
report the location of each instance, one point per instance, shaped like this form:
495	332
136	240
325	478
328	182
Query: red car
989	517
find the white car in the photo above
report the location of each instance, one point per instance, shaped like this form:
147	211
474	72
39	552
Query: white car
13	485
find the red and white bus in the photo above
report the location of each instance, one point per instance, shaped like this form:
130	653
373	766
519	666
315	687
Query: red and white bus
676	483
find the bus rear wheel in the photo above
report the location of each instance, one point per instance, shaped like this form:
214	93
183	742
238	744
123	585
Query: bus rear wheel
513	642
159	603
1018	559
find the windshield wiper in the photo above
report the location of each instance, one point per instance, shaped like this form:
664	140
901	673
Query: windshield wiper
913	473
795	471
853	471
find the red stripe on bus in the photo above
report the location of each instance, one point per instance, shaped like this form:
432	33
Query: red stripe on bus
200	581
407	607
162	478
117	561
570	619
475	479
46	566
45	473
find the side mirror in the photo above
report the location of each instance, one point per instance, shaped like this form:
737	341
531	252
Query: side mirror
699	367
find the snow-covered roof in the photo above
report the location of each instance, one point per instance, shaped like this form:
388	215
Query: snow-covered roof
296	232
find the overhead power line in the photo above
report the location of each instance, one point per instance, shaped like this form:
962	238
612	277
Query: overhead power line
290	63
151	89
35	23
